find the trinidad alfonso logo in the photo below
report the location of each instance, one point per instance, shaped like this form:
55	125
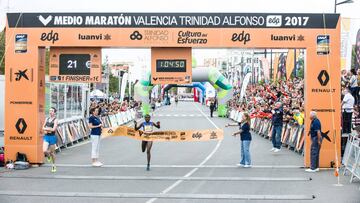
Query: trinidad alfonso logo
45	21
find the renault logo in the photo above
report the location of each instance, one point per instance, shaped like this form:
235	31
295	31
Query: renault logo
323	78
21	126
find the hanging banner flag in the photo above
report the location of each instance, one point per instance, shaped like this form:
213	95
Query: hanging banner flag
266	68
290	64
275	66
124	81
168	135
244	85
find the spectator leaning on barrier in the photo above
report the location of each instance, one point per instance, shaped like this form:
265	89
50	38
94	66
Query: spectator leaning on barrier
298	116
347	110
316	139
277	123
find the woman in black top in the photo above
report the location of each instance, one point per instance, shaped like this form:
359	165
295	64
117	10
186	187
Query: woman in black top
95	125
50	140
245	137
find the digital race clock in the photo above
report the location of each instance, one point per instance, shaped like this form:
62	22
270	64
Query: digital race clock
171	65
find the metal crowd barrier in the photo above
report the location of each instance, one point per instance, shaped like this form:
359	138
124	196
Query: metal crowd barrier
292	135
74	130
351	158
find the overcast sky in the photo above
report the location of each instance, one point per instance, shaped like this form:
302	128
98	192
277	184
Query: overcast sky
237	6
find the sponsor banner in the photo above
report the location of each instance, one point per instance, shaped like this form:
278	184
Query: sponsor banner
158	20
21	43
168	135
323	44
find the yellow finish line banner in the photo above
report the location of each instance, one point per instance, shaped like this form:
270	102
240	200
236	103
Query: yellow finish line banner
187	135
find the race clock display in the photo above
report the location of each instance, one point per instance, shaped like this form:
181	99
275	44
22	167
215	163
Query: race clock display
171	65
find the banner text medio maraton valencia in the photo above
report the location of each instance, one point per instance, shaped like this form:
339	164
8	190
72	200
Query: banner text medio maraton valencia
159	20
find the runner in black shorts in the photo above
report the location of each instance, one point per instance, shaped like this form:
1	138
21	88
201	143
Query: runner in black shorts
147	127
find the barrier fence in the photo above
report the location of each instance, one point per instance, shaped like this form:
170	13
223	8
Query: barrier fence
292	135
351	158
71	131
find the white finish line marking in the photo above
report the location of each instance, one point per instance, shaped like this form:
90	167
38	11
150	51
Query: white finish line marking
197	168
162	196
179	166
161	178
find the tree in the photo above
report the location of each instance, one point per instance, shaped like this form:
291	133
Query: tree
2	52
114	84
47	61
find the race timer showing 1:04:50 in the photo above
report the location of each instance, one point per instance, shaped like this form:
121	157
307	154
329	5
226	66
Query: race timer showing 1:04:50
170	65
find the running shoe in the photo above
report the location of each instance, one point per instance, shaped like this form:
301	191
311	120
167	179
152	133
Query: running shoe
97	164
53	169
241	165
312	170
272	149
247	166
277	150
49	159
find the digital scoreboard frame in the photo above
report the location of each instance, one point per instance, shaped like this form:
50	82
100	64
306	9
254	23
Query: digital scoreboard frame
81	65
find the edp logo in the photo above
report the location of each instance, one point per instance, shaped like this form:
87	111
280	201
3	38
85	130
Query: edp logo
241	37
51	36
273	21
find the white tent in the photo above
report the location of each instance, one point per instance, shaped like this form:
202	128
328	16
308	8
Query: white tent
97	94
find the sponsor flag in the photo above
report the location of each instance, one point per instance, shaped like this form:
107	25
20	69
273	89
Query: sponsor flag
275	66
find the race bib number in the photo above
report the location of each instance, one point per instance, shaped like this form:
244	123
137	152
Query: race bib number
148	128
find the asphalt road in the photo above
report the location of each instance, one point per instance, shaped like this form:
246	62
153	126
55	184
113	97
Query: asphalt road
181	172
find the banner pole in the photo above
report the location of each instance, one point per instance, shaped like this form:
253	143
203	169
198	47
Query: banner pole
336	164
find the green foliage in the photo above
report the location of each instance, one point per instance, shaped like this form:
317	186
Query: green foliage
47	61
114	84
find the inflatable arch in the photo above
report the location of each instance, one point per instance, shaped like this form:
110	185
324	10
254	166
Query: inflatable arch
211	75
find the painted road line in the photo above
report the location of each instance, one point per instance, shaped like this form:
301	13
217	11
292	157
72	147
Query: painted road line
157	196
179	166
197	168
163	178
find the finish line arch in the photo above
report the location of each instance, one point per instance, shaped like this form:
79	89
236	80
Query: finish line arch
211	75
27	35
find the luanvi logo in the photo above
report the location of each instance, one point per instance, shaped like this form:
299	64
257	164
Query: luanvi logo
46	20
94	37
323	78
136	35
213	135
241	37
287	37
21	126
51	36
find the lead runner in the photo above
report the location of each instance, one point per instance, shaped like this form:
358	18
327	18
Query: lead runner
147	127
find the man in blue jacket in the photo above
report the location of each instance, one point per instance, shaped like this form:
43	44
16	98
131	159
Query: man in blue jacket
316	139
277	123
